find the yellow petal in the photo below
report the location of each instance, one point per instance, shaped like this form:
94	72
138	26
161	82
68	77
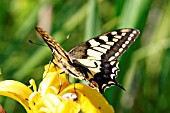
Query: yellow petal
16	90
53	81
35	102
91	100
51	103
69	107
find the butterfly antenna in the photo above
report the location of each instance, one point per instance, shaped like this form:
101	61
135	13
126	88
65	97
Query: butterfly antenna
68	36
36	43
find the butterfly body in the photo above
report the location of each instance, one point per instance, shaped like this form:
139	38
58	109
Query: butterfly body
95	60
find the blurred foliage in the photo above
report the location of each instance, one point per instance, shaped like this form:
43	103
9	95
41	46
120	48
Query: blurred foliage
145	67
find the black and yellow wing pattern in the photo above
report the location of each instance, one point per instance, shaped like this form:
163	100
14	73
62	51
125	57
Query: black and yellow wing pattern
95	60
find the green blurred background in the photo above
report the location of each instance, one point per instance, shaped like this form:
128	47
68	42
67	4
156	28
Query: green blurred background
145	67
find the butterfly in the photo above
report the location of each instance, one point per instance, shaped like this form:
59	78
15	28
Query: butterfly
96	60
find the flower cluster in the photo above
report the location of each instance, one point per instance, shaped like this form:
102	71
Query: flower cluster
55	95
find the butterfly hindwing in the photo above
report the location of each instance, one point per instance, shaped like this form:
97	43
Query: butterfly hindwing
100	55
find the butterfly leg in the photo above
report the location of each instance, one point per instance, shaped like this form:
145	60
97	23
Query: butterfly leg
47	69
60	86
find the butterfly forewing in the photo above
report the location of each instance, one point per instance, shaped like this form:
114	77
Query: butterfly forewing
60	56
94	60
100	55
106	45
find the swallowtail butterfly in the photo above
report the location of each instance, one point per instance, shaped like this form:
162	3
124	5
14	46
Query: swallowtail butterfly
96	60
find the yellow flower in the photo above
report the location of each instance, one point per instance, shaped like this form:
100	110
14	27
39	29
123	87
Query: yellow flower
55	95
